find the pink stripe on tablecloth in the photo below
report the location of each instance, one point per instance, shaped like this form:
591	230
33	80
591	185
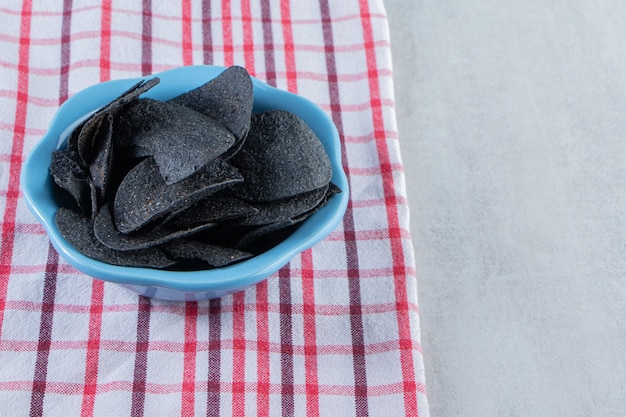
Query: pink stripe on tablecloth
296	308
74	388
78	10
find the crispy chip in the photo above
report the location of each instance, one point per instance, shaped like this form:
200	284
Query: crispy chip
143	196
180	140
227	98
281	157
214	255
68	175
78	231
106	232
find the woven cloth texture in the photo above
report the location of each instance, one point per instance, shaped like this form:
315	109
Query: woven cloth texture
334	333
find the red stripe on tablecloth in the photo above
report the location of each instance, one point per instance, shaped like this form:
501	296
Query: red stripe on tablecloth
263	350
93	348
105	41
66	29
238	388
189	359
286	341
310	334
248	36
356	320
45	334
290	55
146	37
393	219
13	191
227	33
215	350
268	43
141	357
187	38
207	34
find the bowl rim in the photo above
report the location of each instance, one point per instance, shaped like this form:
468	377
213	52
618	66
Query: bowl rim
37	187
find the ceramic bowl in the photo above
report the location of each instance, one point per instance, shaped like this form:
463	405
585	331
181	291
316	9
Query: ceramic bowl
40	196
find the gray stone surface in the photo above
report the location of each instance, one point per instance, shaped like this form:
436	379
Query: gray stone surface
512	120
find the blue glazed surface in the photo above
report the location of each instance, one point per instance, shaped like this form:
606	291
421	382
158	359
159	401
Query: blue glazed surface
41	199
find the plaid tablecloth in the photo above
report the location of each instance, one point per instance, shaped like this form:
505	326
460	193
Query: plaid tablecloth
334	333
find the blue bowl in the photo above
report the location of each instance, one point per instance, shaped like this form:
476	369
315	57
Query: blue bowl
38	188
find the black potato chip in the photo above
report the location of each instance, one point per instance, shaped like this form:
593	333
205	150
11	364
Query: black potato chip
143	196
214	255
210	210
227	98
180	140
68	175
88	131
102	164
281	157
106	232
86	137
260	239
78	231
331	191
286	208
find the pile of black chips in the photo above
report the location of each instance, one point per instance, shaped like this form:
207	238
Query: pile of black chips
195	182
